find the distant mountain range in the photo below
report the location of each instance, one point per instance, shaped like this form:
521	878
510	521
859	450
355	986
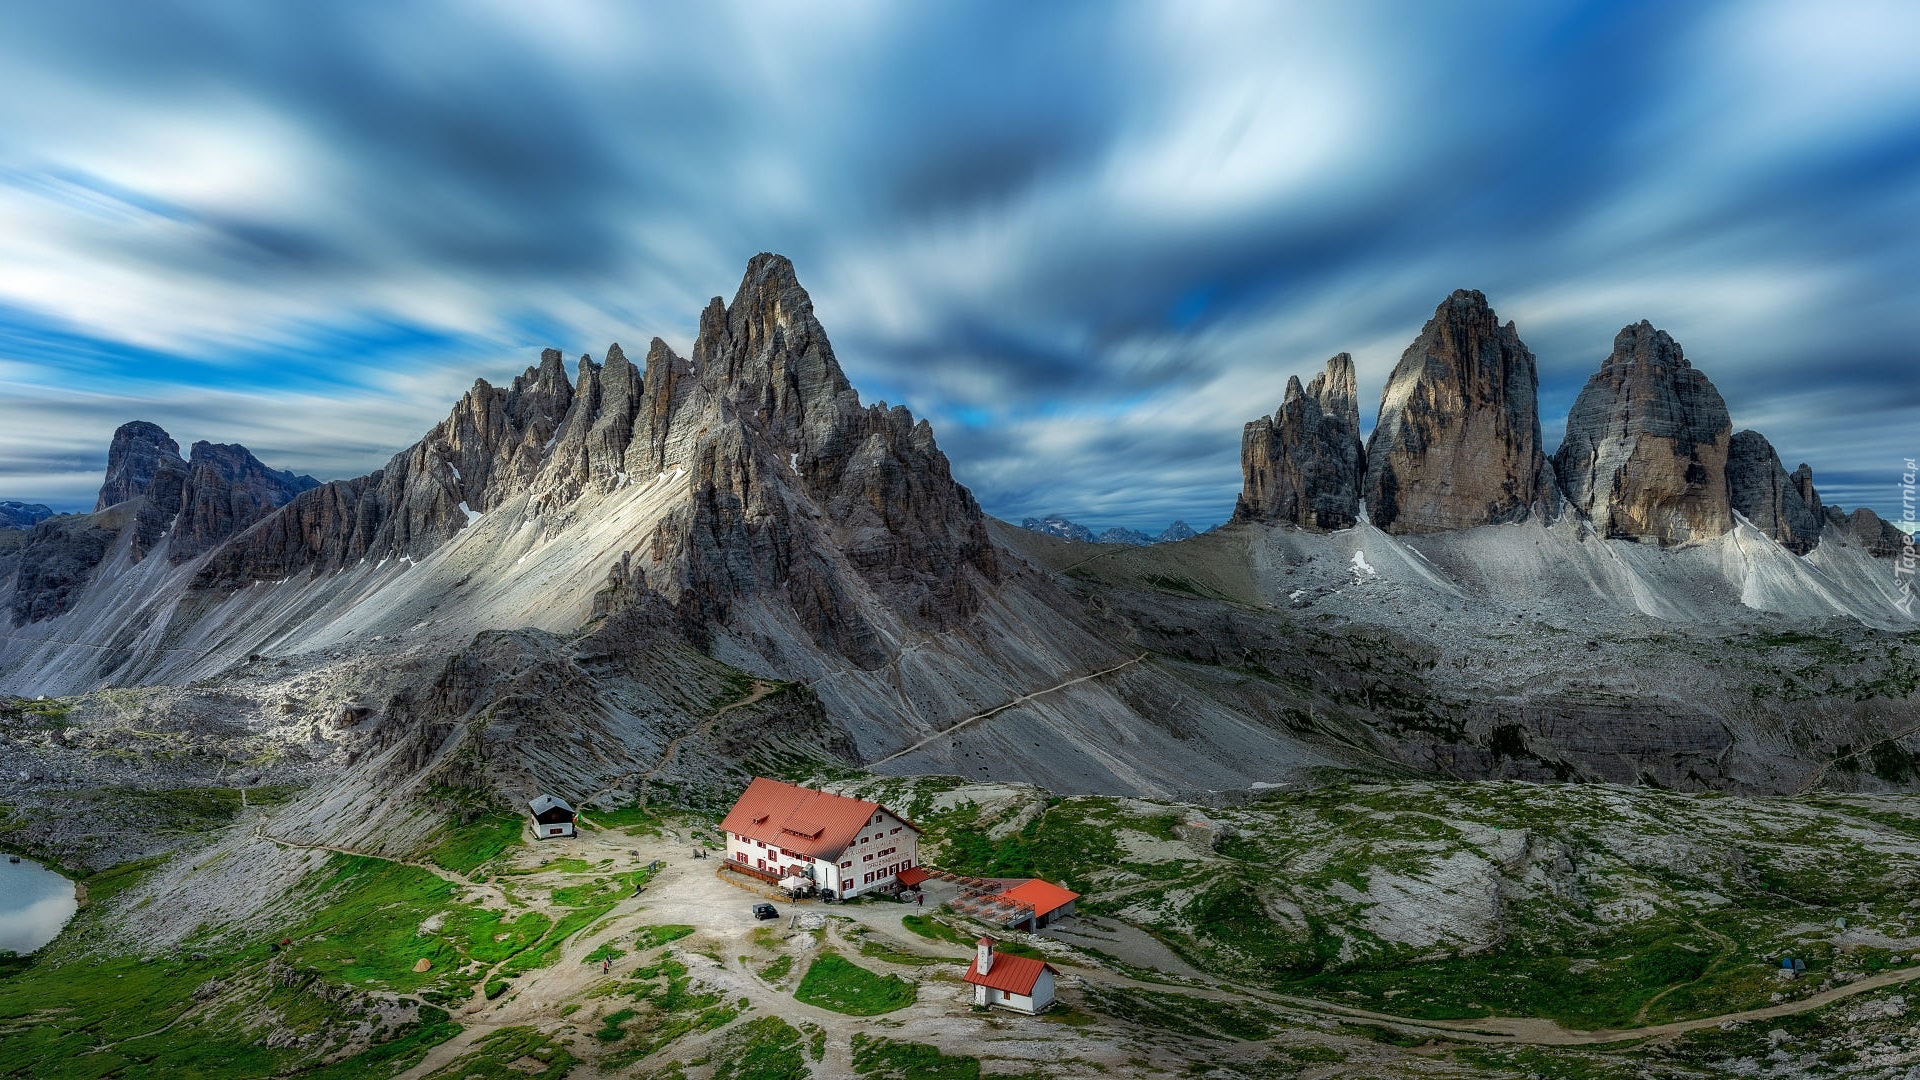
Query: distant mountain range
1065	529
20	515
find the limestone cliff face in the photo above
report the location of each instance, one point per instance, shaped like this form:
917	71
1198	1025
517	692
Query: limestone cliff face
1457	443
491	445
139	451
1782	506
792	484
770	426
1645	454
1303	465
57	562
226	489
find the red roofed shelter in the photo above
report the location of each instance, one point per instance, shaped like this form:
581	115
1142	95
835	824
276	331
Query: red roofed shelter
1046	900
1020	983
845	846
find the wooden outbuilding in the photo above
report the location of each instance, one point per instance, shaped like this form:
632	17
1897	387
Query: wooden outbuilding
551	816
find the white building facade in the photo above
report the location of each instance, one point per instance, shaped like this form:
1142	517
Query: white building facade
845	846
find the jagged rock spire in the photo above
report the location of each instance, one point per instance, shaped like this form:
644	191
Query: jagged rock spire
1457	443
1777	504
141	451
1645	454
1303	464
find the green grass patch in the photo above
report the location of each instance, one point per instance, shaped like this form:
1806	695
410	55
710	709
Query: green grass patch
466	848
888	1059
833	982
610	1029
372	927
506	1054
605	952
190	1012
548	949
669	1009
933	929
767	1048
780	968
652	937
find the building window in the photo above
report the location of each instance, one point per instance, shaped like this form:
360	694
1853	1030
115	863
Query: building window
896	829
866	858
846	885
759	843
869	879
740	855
848	865
876	819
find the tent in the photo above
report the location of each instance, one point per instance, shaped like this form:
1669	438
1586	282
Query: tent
795	883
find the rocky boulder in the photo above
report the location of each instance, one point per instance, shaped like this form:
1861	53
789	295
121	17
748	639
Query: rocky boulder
1457	443
1645	454
1782	506
1304	464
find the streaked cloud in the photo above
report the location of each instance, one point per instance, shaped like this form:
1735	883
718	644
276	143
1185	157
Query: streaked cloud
1087	241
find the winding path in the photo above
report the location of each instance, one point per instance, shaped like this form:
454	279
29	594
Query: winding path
998	709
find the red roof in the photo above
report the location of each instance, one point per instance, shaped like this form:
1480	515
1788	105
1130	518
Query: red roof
814	823
1041	896
1010	974
913	875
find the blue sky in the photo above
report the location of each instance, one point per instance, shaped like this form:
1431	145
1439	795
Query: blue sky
1088	241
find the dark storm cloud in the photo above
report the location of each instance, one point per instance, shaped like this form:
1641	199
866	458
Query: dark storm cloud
1088	241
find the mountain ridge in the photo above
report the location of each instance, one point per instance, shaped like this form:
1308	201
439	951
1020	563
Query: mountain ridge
767	521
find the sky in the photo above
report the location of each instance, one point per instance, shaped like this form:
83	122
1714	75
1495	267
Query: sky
1088	241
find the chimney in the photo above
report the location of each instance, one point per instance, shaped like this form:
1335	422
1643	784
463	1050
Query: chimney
983	955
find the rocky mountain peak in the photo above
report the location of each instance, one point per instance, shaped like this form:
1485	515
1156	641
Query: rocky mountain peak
779	426
140	451
1777	504
227	489
1645	454
1457	443
768	357
1303	465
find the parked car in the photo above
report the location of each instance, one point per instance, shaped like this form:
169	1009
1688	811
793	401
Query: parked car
765	911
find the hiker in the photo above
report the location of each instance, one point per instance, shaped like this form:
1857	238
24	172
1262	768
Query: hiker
920	900
606	965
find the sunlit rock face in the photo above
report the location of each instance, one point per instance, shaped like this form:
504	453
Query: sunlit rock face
1457	444
1645	454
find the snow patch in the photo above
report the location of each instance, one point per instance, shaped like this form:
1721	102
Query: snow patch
793	462
472	515
1360	565
456	471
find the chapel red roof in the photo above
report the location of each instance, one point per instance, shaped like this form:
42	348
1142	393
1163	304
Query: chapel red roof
1009	974
814	823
